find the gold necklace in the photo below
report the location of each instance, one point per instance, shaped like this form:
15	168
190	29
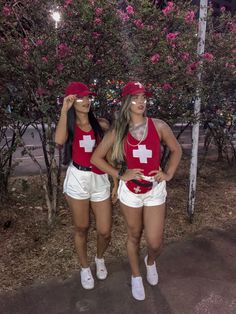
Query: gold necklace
144	133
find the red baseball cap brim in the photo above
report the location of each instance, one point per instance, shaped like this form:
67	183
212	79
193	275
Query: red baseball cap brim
79	89
134	88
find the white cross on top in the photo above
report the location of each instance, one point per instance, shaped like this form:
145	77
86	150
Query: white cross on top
142	153
87	143
139	84
137	189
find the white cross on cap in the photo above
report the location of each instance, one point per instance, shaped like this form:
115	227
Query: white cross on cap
87	143
139	84
142	153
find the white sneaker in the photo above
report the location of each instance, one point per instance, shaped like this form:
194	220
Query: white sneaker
137	288
152	275
101	268
87	280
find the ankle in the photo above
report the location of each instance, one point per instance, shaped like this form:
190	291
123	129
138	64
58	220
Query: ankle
150	260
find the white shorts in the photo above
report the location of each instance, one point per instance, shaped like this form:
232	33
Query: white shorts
156	196
82	185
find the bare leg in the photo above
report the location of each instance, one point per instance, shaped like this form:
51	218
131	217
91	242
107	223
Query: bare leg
103	212
80	212
134	224
154	218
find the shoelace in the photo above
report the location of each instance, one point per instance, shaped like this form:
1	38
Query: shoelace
100	264
88	274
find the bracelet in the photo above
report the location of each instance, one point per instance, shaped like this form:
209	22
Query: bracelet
121	172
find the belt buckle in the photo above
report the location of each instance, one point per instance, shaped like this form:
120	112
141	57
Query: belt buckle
148	178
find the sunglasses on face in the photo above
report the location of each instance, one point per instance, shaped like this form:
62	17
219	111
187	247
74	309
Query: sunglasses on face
80	99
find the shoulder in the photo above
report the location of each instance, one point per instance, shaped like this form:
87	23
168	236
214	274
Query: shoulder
159	123
104	124
161	126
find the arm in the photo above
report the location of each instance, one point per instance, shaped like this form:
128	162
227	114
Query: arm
61	130
104	124
167	136
99	155
99	159
115	180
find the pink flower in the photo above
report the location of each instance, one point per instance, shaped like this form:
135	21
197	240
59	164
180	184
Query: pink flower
41	91
234	50
169	60
192	67
222	9
6	10
98	11
63	50
217	35
25	44
90	56
155	58
130	9
75	38
96	35
51	82
229	65
232	27
67	2
97	20
172	36
138	23
208	56
124	17
169	8
150	27
184	56
166	86
189	17
164	30
45	59
39	42
60	67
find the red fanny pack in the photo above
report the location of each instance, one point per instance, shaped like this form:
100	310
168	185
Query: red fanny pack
139	187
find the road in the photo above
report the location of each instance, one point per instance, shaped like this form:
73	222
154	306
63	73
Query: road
25	165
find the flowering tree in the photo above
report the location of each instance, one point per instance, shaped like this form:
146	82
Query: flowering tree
39	60
163	53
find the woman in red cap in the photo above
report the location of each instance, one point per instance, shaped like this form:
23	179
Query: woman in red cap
84	184
136	142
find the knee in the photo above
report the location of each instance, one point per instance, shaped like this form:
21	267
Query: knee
134	236
155	246
105	234
81	231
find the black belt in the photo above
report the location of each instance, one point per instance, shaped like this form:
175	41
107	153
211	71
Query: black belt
146	184
79	167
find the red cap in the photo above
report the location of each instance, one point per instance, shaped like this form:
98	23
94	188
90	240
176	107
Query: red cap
134	88
79	89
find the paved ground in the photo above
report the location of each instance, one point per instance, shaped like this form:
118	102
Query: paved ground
197	276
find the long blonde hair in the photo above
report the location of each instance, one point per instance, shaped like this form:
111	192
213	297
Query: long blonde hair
121	130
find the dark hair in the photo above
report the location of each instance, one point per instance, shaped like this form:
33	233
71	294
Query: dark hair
71	120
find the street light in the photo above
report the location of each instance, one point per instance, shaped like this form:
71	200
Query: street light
57	17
